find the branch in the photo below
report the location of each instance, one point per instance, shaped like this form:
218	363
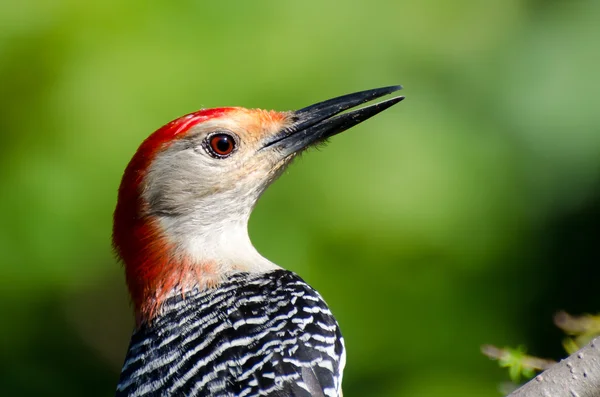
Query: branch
576	376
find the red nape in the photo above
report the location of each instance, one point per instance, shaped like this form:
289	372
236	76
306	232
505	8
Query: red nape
137	239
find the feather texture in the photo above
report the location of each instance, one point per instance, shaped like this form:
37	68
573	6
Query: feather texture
256	334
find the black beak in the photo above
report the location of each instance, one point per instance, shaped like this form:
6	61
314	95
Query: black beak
322	120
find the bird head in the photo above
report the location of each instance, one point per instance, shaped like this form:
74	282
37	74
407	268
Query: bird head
188	192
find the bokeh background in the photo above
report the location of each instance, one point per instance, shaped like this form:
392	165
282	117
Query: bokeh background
467	214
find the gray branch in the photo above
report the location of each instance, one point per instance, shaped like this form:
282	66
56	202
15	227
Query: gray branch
576	376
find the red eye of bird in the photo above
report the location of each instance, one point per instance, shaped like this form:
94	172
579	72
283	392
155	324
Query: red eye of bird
221	145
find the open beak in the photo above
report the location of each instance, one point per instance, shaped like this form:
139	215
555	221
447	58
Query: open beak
322	120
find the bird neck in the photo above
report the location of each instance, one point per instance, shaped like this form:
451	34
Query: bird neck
169	255
225	243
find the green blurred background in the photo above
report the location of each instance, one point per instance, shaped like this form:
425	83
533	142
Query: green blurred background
467	214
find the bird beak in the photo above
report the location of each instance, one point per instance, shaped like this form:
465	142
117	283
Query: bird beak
322	120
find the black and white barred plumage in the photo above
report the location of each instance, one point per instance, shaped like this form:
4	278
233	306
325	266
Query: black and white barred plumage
256	334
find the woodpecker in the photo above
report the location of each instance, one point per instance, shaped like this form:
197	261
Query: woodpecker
213	316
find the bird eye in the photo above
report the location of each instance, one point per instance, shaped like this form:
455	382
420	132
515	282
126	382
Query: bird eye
220	145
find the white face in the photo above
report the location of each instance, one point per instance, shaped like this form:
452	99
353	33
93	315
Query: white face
203	187
218	165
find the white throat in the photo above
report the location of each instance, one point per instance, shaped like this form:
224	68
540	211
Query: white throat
225	244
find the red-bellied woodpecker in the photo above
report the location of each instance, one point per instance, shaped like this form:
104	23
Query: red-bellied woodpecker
214	317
